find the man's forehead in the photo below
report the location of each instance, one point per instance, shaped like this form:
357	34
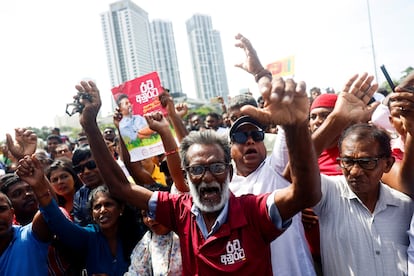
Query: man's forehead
352	145
18	185
205	151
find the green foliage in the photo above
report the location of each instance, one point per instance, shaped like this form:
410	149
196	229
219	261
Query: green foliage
406	72
204	110
153	139
42	133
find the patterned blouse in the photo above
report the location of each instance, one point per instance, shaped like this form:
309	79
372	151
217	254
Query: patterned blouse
156	255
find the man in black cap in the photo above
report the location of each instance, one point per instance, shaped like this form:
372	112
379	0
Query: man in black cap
255	173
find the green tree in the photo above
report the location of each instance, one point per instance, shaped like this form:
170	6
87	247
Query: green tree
406	72
396	82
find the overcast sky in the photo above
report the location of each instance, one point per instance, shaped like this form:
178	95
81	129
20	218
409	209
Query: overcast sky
49	46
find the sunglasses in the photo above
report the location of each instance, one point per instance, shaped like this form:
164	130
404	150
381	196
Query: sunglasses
90	165
241	137
368	163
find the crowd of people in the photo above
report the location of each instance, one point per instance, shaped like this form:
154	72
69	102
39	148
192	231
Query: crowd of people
286	184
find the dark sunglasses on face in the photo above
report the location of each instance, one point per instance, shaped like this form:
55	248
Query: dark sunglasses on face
90	165
241	137
198	171
367	163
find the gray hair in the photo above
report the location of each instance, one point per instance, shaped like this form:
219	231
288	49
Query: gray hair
241	100
206	137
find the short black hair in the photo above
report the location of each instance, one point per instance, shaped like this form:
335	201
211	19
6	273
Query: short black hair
238	101
366	131
120	97
8	180
82	153
54	136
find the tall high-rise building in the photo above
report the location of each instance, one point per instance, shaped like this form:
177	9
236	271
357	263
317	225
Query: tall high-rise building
207	58
127	36
165	55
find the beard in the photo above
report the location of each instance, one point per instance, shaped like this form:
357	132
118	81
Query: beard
207	205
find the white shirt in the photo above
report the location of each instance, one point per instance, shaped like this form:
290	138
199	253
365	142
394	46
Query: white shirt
289	252
355	241
410	250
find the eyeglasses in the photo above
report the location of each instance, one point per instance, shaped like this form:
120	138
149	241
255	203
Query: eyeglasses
90	165
241	137
198	171
367	163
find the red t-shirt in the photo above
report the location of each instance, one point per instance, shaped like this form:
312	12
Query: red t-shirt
327	162
239	247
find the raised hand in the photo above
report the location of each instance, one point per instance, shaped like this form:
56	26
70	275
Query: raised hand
167	101
181	109
402	104
252	63
25	142
91	104
117	117
157	122
407	84
352	101
286	103
30	170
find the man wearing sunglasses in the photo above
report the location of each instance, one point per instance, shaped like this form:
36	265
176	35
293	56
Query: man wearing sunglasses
259	163
255	173
85	166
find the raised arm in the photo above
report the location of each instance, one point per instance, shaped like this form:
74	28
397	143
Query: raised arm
287	104
25	142
350	108
112	174
136	170
402	105
252	64
159	123
175	119
31	171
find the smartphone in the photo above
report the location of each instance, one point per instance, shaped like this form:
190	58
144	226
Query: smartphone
388	78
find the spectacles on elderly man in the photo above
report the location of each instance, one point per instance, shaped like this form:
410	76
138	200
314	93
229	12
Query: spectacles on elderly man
198	171
366	163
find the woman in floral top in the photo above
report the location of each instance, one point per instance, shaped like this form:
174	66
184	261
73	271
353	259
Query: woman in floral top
157	253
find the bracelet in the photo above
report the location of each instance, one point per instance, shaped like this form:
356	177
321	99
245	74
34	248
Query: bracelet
44	195
171	152
263	73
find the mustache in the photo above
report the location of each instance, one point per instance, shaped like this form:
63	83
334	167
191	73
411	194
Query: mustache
204	186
